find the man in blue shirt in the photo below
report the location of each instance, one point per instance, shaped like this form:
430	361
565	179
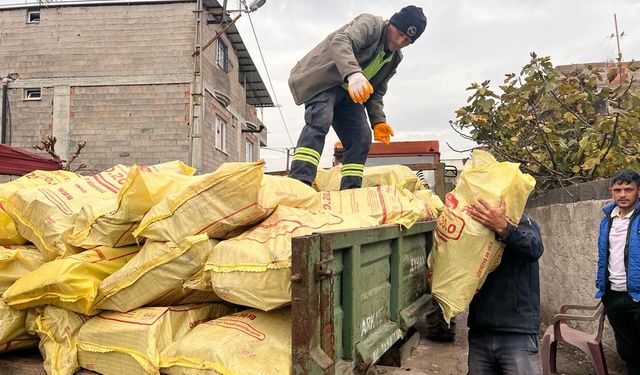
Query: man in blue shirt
618	276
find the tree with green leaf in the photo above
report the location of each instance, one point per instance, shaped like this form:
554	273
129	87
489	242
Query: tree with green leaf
562	127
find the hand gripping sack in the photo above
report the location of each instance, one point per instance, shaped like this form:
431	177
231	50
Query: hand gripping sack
70	283
250	342
8	232
155	276
113	224
254	268
465	250
58	329
130	343
222	205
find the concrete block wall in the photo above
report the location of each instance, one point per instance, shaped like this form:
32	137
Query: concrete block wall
30	120
569	221
229	84
98	41
142	124
127	70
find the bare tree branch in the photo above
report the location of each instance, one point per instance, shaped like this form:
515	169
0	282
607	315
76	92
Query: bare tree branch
48	145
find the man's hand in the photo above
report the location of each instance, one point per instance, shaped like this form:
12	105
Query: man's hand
359	88
382	132
491	217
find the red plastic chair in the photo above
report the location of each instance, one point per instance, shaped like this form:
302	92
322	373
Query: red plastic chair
587	342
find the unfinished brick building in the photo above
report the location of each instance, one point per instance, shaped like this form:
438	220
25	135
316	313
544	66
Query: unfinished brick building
129	78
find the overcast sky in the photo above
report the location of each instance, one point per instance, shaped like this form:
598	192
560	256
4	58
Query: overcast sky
465	41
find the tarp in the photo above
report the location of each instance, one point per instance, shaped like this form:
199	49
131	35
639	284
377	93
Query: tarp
17	162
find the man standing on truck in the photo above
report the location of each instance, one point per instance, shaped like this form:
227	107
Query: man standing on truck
344	74
618	276
504	316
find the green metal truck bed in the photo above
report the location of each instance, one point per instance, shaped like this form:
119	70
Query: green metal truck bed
354	294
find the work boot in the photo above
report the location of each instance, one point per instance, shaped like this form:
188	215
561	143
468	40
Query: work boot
437	329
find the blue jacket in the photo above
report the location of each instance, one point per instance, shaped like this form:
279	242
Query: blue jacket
509	300
631	253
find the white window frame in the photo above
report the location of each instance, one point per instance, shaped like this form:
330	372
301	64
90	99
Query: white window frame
222	56
221	133
32	93
33	15
248	152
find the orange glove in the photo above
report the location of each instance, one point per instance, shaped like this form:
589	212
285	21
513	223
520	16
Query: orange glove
382	132
359	88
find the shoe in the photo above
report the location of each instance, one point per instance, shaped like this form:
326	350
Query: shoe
437	329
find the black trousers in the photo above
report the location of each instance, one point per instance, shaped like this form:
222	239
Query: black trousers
333	107
624	315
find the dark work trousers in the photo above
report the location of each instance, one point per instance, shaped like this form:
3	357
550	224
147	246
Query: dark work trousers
624	315
333	107
502	353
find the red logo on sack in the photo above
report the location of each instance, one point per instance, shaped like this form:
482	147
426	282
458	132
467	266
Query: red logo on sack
450	201
449	225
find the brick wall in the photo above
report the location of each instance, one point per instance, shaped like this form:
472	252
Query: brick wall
98	41
143	124
128	70
228	83
30	120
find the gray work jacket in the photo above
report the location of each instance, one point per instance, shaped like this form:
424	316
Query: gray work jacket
342	53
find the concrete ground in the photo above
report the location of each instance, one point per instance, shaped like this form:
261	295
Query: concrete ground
434	358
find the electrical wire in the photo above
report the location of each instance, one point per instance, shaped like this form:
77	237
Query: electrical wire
283	150
269	79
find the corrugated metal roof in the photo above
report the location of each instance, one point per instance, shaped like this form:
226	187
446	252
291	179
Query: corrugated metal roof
17	162
257	93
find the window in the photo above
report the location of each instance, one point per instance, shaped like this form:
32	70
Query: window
222	56
32	94
221	134
33	15
248	150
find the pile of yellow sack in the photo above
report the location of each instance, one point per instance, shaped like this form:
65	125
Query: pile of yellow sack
117	272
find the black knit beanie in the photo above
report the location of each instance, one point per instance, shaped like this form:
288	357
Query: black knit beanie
411	21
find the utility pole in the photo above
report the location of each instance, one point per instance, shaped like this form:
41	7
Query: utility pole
615	21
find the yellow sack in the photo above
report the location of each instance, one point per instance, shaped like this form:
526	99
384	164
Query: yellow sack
386	204
113	224
8	232
286	191
58	329
131	343
17	261
383	175
13	334
465	250
155	276
222	205
70	283
250	342
431	202
46	216
254	269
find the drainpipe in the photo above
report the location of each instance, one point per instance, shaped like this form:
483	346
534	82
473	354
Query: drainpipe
5	109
